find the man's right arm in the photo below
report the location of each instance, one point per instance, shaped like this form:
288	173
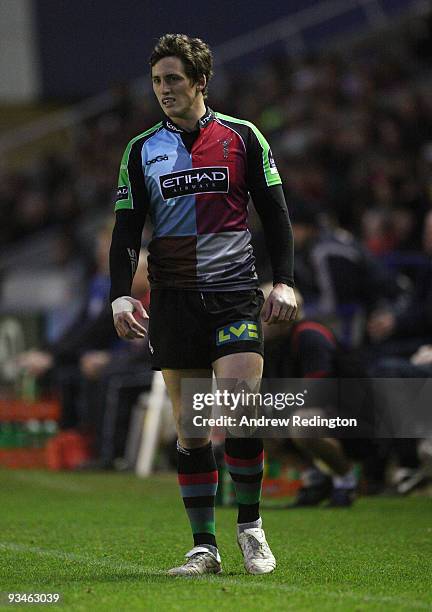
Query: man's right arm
131	208
124	251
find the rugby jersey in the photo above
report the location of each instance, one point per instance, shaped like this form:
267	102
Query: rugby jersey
195	188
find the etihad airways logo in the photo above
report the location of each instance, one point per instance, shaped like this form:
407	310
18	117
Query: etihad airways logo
194	180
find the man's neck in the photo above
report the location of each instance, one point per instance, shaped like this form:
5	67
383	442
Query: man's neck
190	123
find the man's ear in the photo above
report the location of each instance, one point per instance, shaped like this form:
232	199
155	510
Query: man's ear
201	83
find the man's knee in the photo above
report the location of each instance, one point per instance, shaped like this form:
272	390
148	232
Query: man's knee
188	443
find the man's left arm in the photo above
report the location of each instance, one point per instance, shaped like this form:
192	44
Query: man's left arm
265	187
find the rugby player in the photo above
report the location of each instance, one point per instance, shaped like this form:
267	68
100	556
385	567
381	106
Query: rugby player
192	174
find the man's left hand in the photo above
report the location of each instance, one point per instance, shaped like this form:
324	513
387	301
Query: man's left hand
280	306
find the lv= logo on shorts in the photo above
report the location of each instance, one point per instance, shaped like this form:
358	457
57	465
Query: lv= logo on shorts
234	332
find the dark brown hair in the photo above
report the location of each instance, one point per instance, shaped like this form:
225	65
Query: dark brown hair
194	53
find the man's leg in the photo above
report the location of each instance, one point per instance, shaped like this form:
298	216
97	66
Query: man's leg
245	461
198	479
67	380
329	451
316	486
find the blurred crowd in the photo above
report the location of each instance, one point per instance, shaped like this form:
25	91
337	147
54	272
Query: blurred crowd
352	136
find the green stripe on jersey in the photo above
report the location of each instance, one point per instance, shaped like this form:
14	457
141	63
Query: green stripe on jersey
124	193
270	171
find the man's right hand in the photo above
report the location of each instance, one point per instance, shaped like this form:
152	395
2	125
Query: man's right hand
127	327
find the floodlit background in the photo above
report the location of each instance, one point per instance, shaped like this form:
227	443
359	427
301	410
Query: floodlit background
341	88
90	507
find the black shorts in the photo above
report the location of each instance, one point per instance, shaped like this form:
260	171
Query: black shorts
191	329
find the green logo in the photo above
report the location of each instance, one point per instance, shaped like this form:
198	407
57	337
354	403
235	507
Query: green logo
235	332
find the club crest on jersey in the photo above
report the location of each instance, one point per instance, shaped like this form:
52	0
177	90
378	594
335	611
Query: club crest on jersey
225	142
194	180
236	332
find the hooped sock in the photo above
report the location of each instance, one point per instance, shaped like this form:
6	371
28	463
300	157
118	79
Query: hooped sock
198	480
244	458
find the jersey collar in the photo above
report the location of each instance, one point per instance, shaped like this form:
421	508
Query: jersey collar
205	120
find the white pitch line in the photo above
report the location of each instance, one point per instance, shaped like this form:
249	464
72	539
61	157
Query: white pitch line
226	580
59	554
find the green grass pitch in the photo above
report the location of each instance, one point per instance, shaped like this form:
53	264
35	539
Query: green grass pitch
104	540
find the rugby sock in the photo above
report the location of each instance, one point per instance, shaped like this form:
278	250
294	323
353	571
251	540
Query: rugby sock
254	525
244	458
198	479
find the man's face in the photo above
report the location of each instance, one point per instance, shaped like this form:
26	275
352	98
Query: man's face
176	94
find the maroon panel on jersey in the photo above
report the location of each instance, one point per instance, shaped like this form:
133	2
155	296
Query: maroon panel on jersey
214	213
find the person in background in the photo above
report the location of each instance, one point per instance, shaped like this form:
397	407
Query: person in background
112	381
400	343
334	273
91	331
401	331
309	349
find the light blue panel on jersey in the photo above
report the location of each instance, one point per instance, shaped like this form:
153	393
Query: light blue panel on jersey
163	154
